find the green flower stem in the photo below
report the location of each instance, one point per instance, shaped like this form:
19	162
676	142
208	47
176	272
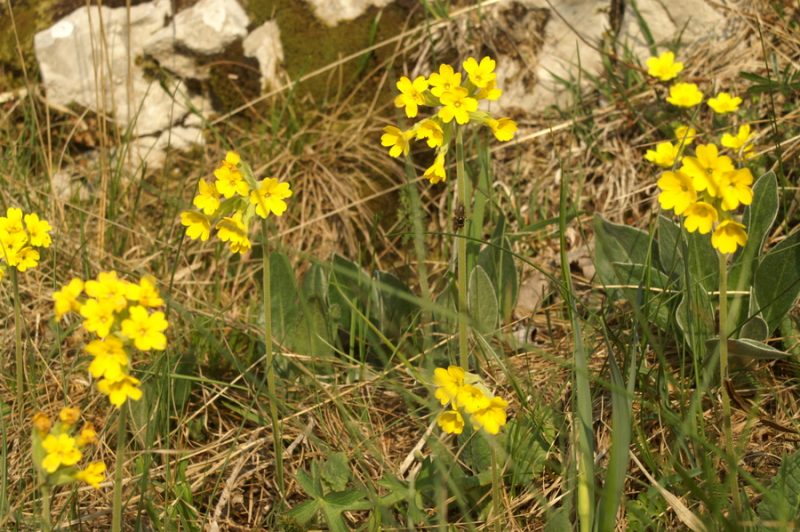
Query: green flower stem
122	433
496	480
45	516
461	252
723	379
20	369
277	440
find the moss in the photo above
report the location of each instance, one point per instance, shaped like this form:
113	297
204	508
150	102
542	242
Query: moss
234	79
308	44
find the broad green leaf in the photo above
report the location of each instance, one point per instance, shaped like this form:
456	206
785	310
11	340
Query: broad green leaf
670	247
283	294
304	512
309	483
482	301
498	261
395	303
758	218
755	329
641	279
348	282
777	280
696	319
335	472
781	502
315	284
617	243
703	262
751	349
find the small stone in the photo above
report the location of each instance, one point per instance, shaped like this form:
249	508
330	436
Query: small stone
332	12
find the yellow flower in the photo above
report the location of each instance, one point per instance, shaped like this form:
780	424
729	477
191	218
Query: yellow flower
448	382
93	475
444	81
735	189
231	229
451	422
41	423
146	330
232	160
490	92
11	223
146	293
664	67
677	191
61	450
88	435
69	415
728	235
207	198
66	299
98	317
120	389
740	141
480	74
230	182
664	155
109	289
436	173
396	140
197	225
411	94
684	95
457	104
26	258
38	231
700	217
472	398
724	103
707	168
269	196
503	128
491	417
430	130
109	357
685	135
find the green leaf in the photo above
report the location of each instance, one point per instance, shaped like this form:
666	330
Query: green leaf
335	472
527	443
395	304
670	247
620	244
283	292
755	329
695	318
703	262
304	512
758	218
781	502
315	284
498	261
482	301
750	349
777	280
652	303
348	282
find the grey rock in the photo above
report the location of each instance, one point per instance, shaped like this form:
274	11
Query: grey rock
264	44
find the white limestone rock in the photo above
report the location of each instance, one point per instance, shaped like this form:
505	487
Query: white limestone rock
332	12
264	44
204	29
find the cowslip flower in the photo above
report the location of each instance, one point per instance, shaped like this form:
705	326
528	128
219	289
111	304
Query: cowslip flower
269	197
685	95
664	67
456	104
706	167
231	229
146	330
207	198
724	103
66	299
664	155
119	327
411	94
466	395
198	226
728	235
685	135
677	191
700	217
396	140
741	142
444	81
21	237
56	451
480	74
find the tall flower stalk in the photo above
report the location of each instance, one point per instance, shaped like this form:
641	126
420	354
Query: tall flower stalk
228	205
21	237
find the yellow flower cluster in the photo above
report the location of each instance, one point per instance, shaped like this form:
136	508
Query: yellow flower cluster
117	312
466	394
457	100
21	236
229	203
683	94
57	449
